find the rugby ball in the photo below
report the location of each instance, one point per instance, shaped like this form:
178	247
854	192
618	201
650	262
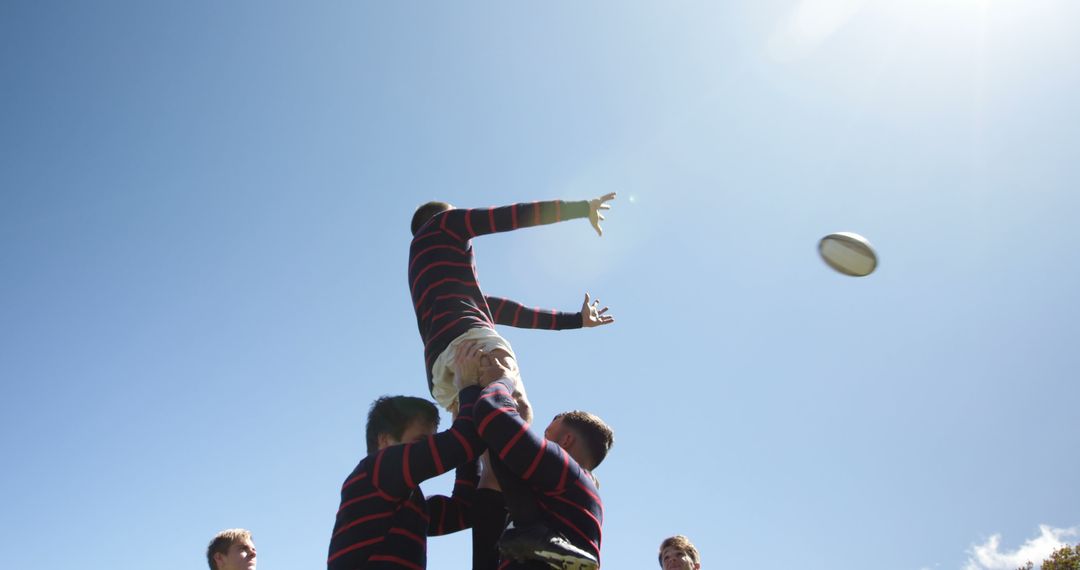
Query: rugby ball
848	253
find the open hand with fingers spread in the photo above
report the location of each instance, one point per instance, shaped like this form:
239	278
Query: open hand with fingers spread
592	316
595	205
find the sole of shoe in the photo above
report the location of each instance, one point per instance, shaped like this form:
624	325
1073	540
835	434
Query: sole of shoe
565	563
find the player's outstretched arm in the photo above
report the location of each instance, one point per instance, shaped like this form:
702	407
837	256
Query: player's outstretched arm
513	314
466	224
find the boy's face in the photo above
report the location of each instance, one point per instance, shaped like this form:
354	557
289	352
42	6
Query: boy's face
418	430
556	432
240	556
673	558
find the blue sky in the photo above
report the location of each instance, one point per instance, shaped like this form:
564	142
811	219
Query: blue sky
203	242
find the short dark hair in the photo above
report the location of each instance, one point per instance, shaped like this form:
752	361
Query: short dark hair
223	541
394	414
597	435
427	211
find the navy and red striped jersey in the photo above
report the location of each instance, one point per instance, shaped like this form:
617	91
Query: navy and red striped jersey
566	492
384	519
442	274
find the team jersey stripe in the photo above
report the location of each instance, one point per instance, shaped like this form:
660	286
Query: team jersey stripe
536	461
510	444
576	506
375	472
565	468
362	520
353	547
491	416
421	253
449	232
400	531
592	495
435	454
464	443
576	529
500	391
359	477
448	326
357	500
443	282
433	265
432	233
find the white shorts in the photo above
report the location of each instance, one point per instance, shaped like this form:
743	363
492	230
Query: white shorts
442	372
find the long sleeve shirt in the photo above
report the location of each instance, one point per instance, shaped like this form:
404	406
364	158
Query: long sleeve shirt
442	274
566	492
384	519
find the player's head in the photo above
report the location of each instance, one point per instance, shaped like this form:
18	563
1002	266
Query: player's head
231	549
678	553
427	211
584	436
399	419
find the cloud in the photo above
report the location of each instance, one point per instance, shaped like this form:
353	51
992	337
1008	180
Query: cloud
989	556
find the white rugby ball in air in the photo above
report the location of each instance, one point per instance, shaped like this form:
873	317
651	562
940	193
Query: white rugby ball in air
848	253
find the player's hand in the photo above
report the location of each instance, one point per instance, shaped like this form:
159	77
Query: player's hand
491	369
467	362
592	315
595	205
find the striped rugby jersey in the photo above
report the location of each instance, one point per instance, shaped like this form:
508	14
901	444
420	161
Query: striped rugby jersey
384	519
566	492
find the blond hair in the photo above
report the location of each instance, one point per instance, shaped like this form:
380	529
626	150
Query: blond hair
223	541
679	542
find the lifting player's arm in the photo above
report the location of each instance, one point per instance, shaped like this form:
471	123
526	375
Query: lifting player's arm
398	469
454	513
531	456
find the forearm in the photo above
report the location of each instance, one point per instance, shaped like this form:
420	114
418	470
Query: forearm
454	513
469	223
511	313
400	468
507	435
